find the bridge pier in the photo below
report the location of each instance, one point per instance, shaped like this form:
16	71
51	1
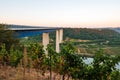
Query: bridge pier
59	38
45	41
61	35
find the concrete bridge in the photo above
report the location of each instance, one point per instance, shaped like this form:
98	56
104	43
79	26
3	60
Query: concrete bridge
24	31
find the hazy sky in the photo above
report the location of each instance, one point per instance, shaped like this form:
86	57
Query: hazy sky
65	13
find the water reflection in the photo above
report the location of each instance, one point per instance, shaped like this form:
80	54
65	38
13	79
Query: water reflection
90	60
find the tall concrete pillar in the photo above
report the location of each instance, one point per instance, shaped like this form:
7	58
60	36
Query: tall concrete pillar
57	41
45	41
59	38
61	35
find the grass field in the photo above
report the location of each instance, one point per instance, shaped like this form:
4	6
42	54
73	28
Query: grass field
90	47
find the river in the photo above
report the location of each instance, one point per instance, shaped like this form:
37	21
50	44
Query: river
89	61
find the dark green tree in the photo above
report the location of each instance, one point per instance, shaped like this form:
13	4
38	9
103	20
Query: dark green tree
7	37
103	66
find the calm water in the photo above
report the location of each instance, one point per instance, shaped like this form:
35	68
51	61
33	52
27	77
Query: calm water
89	60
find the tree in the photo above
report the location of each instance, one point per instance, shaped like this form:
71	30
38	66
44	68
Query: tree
67	49
103	67
7	37
37	54
54	60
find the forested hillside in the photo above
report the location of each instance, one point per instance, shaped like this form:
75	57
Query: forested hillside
116	29
91	34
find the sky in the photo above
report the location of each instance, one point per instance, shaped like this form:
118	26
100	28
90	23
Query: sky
61	13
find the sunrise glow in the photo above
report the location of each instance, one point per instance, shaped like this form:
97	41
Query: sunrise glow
65	13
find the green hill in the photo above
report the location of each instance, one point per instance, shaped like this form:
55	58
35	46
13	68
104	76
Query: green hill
90	34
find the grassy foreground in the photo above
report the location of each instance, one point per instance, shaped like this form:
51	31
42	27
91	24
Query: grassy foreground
21	73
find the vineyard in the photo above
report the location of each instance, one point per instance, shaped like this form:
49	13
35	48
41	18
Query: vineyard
31	62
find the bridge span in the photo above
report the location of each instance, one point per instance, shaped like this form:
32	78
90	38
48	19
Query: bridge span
25	31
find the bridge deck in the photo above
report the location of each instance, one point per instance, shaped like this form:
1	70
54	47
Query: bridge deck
32	28
23	31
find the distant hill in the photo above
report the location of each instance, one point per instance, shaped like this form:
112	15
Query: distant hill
90	34
116	29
